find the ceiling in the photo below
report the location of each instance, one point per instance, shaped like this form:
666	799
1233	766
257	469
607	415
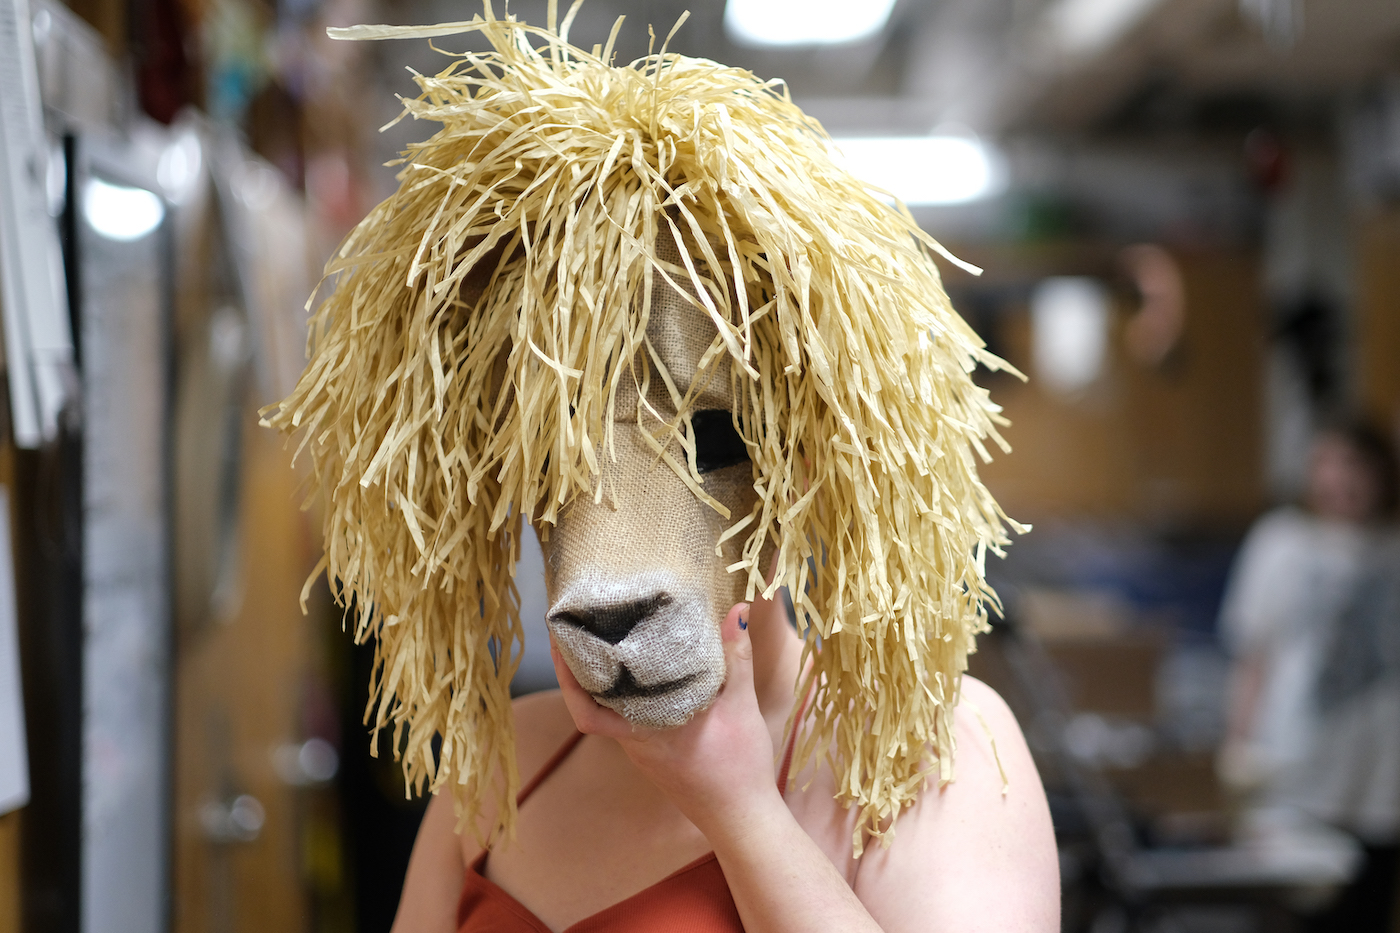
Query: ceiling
993	65
1206	51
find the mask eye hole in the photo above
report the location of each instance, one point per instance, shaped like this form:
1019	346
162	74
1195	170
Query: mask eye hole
717	444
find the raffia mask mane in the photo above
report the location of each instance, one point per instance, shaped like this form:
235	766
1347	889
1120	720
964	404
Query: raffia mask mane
466	364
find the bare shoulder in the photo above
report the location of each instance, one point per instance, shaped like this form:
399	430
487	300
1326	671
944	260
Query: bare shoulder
978	853
440	854
542	724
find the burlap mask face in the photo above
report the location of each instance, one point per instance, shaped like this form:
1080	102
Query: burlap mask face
637	586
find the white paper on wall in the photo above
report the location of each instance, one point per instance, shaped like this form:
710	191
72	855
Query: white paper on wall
14	759
33	297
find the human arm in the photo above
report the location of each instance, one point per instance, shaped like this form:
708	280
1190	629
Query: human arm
718	770
1260	610
1246	686
434	879
969	857
1238	762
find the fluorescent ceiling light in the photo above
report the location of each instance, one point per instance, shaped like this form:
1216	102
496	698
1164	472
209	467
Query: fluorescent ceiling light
924	169
121	213
1085	26
804	22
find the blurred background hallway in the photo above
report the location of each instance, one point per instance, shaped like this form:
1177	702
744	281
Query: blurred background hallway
1188	214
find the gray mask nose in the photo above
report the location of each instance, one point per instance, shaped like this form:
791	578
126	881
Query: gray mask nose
612	623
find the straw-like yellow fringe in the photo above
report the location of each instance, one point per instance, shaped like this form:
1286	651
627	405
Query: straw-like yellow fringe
852	372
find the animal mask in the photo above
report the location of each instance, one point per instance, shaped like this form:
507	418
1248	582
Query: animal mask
644	308
638	582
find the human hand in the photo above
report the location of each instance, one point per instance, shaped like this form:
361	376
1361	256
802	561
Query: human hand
717	768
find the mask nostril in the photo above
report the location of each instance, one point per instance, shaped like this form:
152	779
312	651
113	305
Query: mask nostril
615	622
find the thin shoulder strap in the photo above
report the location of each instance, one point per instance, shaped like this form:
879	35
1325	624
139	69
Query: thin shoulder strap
554	761
792	738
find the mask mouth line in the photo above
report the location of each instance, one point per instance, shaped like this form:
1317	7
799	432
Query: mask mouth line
627	688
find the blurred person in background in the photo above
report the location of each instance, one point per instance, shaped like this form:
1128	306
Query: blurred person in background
1312	618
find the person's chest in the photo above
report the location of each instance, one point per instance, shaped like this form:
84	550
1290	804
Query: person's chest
588	839
581	848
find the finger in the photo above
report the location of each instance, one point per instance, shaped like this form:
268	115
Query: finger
773	566
589	718
768	612
738	650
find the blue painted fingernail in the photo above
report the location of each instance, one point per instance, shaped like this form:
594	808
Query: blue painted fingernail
742	623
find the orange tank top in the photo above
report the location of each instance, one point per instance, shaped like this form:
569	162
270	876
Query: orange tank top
693	899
